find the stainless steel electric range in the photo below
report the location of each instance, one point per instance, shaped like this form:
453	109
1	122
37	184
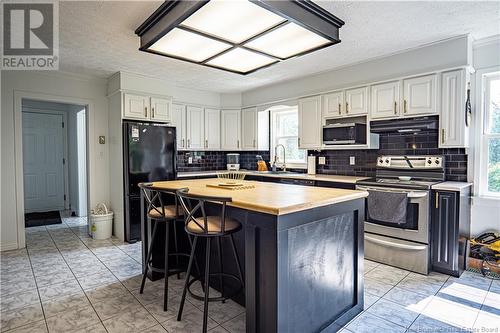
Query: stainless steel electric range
398	212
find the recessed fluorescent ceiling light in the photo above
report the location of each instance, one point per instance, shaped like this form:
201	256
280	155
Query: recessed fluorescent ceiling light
238	36
188	45
287	41
241	60
234	21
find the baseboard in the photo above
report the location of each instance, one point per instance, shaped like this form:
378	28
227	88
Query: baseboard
8	246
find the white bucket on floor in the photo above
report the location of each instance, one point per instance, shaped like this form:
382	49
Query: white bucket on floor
101	222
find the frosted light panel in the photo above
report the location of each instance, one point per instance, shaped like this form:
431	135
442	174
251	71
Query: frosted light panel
188	45
234	21
287	41
241	60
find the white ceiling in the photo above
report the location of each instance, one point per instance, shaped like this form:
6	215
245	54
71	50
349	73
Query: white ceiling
97	38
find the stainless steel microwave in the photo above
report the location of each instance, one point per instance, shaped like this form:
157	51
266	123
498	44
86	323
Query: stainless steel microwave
344	134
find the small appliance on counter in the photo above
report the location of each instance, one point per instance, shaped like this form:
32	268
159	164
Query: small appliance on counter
233	162
311	165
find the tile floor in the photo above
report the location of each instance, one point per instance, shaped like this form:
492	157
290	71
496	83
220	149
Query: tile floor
67	282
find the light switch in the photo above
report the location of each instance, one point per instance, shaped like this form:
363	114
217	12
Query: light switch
102	139
322	160
352	160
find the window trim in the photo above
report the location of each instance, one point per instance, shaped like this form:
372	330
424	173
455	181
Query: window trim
274	111
481	137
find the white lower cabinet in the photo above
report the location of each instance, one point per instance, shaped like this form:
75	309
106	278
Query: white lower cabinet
179	121
195	127
385	100
420	95
249	129
310	122
454	131
231	129
212	129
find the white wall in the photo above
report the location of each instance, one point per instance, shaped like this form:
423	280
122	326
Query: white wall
485	213
450	53
57	85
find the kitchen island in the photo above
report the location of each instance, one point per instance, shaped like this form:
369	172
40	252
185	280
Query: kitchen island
302	252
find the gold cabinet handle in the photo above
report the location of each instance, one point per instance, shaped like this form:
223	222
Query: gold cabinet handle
443	135
152	112
183	143
299	142
437	199
254	143
395	107
206	143
404	107
146	111
346	107
238	143
340	108
189	143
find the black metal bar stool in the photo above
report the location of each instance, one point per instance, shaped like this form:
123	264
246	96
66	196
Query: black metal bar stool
167	214
209	227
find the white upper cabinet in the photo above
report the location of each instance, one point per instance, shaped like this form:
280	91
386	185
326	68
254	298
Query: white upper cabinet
136	107
420	95
310	122
333	104
161	109
195	127
356	101
179	121
249	129
212	128
453	129
231	129
385	100
142	107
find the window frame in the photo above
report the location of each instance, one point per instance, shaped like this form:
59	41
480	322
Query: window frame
483	137
275	112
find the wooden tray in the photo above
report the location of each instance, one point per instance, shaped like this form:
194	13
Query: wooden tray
232	188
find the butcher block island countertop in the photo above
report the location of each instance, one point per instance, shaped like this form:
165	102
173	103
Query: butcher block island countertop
270	198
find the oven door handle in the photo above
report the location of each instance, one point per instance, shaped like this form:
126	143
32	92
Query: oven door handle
397	245
411	195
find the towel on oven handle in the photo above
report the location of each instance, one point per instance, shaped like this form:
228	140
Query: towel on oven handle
389	207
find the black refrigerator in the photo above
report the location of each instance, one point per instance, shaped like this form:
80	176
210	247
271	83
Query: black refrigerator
149	151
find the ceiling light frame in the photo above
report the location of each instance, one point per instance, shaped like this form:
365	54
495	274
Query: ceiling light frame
304	13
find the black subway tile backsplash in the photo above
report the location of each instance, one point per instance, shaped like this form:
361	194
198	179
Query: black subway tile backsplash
216	160
421	143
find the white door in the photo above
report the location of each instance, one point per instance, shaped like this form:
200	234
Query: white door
420	95
333	104
385	100
356	101
161	109
212	128
195	126
136	107
310	122
231	129
249	129
179	121
454	132
43	169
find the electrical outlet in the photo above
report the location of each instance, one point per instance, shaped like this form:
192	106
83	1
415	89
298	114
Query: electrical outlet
190	160
322	160
352	160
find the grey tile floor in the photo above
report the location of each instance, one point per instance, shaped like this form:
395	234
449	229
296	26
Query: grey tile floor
67	282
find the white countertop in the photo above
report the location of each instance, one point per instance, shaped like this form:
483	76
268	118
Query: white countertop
451	186
320	177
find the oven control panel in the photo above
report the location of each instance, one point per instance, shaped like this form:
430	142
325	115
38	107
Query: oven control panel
433	162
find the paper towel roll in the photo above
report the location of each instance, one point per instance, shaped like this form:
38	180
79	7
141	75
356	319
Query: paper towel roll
311	165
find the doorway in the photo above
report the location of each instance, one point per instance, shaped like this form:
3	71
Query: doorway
54	162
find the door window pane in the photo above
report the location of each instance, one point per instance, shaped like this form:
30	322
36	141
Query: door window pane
494	165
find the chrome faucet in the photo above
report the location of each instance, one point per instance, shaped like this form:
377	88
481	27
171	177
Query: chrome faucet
276	156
